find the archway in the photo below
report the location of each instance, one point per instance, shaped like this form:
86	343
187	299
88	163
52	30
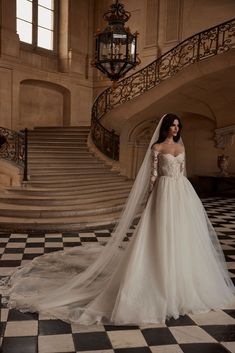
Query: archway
43	103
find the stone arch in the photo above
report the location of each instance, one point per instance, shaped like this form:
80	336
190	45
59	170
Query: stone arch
138	139
43	103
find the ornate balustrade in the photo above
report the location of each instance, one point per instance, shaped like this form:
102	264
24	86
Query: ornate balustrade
203	45
13	147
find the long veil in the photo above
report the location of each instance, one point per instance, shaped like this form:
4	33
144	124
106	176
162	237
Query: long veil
65	283
76	276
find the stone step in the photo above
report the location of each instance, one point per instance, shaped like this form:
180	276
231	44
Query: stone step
67	152
69	163
59	173
64	187
92	193
63	154
66	167
89	201
72	183
58	133
73	146
46	133
57	143
83	179
55	149
64	163
44	204
60	176
66	139
78	141
63	150
69	188
69	201
73	193
61	128
58	167
102	221
59	159
58	211
52	179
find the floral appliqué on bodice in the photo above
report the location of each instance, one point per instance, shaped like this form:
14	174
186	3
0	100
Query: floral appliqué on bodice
165	164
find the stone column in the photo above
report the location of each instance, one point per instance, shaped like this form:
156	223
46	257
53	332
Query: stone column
63	49
80	37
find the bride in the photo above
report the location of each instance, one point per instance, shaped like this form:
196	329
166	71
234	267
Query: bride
172	265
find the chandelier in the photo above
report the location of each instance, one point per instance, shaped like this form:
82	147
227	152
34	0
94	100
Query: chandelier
115	50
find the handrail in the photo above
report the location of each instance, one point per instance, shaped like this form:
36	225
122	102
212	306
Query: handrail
13	147
210	42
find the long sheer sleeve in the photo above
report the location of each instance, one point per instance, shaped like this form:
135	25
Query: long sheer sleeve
154	173
183	168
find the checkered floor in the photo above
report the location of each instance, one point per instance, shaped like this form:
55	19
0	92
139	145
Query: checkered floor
213	332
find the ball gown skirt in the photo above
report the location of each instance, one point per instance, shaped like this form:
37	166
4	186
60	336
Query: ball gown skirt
172	265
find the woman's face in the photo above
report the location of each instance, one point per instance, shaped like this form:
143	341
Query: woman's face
174	129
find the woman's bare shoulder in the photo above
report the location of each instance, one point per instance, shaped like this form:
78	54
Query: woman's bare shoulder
180	147
156	147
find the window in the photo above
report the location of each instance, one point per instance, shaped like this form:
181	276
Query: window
24	21
36	23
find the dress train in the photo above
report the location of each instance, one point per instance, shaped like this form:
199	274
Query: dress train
172	265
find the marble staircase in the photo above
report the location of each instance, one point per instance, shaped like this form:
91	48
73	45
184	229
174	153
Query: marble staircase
68	189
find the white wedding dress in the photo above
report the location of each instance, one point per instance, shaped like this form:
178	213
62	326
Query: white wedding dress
172	265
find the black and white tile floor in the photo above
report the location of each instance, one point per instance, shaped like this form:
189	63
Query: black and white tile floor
213	332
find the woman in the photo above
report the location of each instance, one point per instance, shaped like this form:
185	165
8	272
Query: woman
173	264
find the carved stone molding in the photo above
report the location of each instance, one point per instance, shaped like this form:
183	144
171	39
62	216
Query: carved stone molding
172	20
151	34
225	136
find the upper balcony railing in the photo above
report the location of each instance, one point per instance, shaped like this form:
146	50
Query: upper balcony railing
13	147
203	45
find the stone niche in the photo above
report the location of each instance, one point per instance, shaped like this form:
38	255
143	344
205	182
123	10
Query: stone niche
43	103
135	148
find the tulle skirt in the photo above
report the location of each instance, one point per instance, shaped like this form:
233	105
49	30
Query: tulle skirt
172	265
175	263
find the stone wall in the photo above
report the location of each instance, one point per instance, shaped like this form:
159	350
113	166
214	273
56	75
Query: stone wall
43	88
38	88
161	25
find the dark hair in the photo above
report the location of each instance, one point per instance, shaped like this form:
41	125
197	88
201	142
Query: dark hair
167	122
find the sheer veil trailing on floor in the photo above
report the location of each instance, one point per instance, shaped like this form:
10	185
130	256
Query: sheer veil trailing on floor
65	283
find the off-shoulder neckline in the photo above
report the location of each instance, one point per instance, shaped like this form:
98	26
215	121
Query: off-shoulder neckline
169	154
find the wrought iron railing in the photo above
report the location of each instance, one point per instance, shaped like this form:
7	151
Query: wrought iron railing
13	147
107	141
203	45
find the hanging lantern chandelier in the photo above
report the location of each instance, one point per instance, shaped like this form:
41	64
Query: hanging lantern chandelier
115	51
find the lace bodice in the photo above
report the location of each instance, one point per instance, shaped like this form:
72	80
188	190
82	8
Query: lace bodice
165	164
